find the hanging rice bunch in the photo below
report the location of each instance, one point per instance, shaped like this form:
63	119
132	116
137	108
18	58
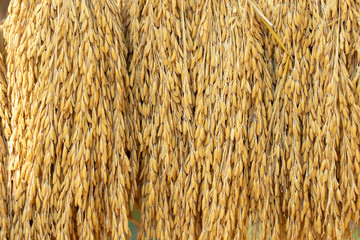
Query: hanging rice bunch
296	29
186	208
265	216
335	178
348	87
284	140
276	59
18	95
71	176
222	108
160	44
5	134
327	177
313	127
207	116
198	164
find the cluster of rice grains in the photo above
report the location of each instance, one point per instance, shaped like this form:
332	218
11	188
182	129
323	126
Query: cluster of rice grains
315	135
246	113
162	100
71	177
193	66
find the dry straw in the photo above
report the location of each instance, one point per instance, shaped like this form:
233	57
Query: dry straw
71	176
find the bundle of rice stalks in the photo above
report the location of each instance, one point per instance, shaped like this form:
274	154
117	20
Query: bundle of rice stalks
191	113
265	217
295	28
223	95
162	100
273	113
315	130
334	171
71	176
4	137
283	139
